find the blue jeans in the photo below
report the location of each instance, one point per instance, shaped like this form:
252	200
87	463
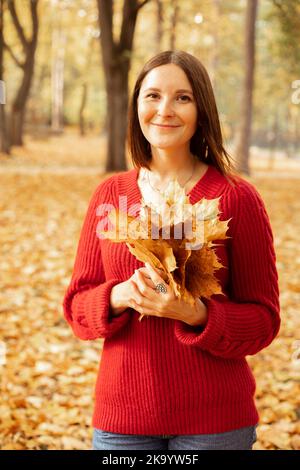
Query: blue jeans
238	439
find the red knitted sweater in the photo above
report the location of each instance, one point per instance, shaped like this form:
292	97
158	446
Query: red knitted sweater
162	376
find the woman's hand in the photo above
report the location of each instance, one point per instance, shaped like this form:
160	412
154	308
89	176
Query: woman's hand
149	302
125	294
121	296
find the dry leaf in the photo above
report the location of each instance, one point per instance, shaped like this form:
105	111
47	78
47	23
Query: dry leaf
176	237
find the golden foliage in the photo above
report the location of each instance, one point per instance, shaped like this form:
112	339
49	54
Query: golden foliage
176	237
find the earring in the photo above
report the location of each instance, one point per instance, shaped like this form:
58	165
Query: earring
206	149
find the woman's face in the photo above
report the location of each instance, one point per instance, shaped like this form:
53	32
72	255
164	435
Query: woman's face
170	103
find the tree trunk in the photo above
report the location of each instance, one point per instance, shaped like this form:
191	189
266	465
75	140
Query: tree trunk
272	140
29	47
85	86
16	126
296	133
117	119
216	38
287	134
116	57
174	21
82	109
57	79
19	103
244	134
4	144
159	26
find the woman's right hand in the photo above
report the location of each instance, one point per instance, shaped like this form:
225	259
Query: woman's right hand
123	294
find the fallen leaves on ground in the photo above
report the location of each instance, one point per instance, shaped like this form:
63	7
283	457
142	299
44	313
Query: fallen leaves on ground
47	383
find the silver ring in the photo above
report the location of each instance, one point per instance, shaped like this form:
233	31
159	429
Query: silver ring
161	288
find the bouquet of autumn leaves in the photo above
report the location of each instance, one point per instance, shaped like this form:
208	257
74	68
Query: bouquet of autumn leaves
177	238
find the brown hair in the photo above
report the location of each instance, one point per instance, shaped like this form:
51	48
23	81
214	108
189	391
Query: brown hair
208	119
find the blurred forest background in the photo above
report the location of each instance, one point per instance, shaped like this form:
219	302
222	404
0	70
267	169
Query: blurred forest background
67	68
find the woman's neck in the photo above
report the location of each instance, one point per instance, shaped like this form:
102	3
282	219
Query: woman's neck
165	165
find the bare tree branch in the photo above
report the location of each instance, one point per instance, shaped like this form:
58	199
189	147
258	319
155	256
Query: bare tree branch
17	24
128	25
105	18
34	18
15	59
140	5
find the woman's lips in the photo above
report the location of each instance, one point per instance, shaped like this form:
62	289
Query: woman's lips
164	125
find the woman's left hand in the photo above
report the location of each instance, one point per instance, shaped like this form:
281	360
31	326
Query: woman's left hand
149	302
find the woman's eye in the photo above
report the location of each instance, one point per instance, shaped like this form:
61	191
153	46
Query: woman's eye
151	94
185	96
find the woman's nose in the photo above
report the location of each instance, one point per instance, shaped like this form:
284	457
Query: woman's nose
165	107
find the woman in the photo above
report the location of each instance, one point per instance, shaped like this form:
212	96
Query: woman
178	379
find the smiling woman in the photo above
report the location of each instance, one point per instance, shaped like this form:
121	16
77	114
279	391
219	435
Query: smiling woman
179	379
167	115
173	119
168	120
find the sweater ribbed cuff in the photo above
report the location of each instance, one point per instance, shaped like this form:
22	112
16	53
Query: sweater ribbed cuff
95	308
207	337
